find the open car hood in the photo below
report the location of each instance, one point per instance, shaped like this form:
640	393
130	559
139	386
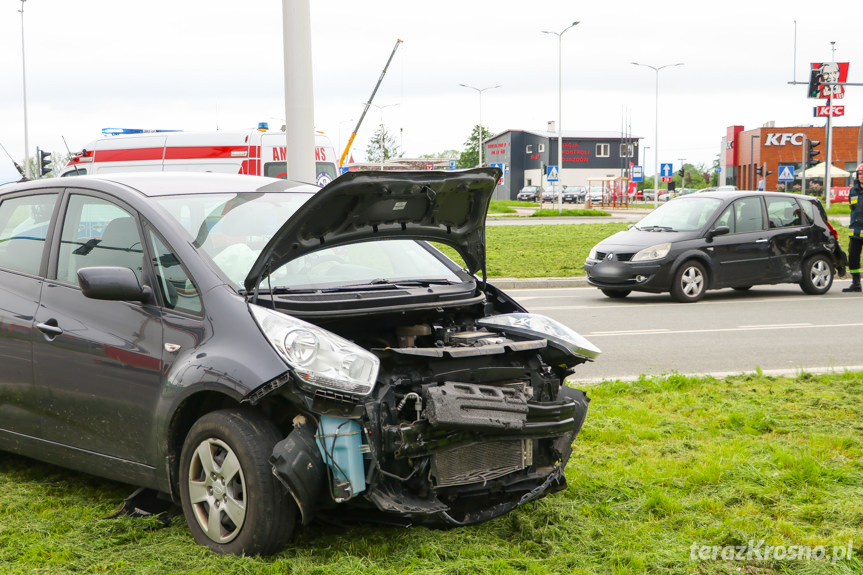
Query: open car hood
438	206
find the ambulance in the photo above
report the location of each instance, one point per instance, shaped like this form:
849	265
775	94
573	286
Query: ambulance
253	152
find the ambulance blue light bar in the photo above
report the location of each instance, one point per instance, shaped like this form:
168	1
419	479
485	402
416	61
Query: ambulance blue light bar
118	131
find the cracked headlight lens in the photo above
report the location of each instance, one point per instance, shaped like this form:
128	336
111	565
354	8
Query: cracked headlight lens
320	358
532	325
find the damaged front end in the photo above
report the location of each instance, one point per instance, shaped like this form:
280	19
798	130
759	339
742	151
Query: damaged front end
468	419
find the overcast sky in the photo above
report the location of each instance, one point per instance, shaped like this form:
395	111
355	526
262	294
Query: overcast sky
215	64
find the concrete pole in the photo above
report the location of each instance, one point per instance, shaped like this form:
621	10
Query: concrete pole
299	92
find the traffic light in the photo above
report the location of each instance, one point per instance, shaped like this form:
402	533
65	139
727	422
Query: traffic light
759	170
45	166
811	152
681	172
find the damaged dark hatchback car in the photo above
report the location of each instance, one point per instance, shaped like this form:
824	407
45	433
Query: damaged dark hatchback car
262	352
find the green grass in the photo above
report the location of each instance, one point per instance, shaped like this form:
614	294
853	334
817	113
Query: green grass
661	463
554	251
550	213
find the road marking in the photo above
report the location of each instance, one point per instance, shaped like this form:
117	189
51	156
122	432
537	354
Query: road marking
631	332
722	329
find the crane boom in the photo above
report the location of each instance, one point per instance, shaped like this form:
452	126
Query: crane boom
368	105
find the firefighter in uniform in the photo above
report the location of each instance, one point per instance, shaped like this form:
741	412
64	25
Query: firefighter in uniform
855	241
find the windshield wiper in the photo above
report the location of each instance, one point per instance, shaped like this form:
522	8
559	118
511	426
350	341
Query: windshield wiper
656	229
383	283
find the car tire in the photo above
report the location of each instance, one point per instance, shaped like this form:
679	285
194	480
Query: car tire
616	293
690	282
232	502
817	275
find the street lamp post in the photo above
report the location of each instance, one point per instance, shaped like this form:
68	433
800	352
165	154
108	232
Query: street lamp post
383	149
560	112
479	138
24	82
656	134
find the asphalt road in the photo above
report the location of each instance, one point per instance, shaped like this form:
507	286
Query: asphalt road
778	329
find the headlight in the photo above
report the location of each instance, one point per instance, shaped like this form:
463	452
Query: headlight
533	325
656	252
592	254
320	358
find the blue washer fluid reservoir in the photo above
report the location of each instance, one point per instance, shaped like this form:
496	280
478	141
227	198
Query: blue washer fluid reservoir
340	443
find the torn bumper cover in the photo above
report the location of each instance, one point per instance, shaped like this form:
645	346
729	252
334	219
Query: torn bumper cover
474	453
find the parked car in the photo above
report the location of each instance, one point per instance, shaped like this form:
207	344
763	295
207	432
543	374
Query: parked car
529	194
597	195
718	240
259	350
574	194
552	193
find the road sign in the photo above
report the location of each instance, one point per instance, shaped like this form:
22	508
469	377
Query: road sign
452	165
551	173
825	111
666	171
500	166
666	179
786	174
637	174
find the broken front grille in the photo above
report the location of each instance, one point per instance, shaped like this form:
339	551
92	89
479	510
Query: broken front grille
481	462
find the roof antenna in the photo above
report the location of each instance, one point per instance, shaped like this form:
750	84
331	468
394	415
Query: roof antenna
17	167
68	151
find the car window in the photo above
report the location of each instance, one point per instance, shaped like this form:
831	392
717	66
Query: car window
178	290
687	214
23	227
726	219
808	212
783	212
748	215
97	233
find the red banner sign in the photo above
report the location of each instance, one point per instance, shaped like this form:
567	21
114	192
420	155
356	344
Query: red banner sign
825	111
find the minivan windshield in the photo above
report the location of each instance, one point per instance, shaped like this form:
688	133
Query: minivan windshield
233	229
681	215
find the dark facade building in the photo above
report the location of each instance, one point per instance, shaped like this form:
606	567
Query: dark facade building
525	154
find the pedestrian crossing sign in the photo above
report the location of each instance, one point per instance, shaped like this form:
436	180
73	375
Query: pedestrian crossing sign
786	174
551	173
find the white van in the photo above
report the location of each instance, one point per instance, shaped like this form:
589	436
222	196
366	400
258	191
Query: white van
251	152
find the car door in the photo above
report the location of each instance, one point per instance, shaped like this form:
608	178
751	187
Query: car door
789	236
99	360
24	226
741	257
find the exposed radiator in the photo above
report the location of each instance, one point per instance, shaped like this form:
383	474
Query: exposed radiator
481	463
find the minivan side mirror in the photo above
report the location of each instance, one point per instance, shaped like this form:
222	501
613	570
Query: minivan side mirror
718	231
112	284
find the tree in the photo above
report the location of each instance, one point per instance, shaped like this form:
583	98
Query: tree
58	162
382	146
448	154
469	158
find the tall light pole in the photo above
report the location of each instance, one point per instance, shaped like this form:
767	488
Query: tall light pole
479	142
656	116
24	77
560	112
381	108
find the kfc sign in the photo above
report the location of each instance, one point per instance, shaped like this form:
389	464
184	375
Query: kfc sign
784	139
824	77
829	111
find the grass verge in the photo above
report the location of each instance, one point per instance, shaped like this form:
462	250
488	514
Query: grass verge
661	464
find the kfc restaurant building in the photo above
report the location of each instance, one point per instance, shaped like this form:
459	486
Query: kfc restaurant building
745	151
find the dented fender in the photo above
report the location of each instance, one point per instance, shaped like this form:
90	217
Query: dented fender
298	465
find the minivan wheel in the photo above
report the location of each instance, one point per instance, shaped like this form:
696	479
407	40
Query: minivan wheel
232	502
817	275
689	282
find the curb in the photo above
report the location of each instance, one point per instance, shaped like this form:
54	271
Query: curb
538	283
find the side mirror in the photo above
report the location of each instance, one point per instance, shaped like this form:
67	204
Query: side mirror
112	284
718	231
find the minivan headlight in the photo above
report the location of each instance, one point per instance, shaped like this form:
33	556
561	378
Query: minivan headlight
320	358
656	252
592	254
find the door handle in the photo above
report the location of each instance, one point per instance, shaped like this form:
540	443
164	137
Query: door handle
801	237
762	241
49	330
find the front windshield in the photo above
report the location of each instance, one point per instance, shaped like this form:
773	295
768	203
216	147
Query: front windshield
681	215
233	229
